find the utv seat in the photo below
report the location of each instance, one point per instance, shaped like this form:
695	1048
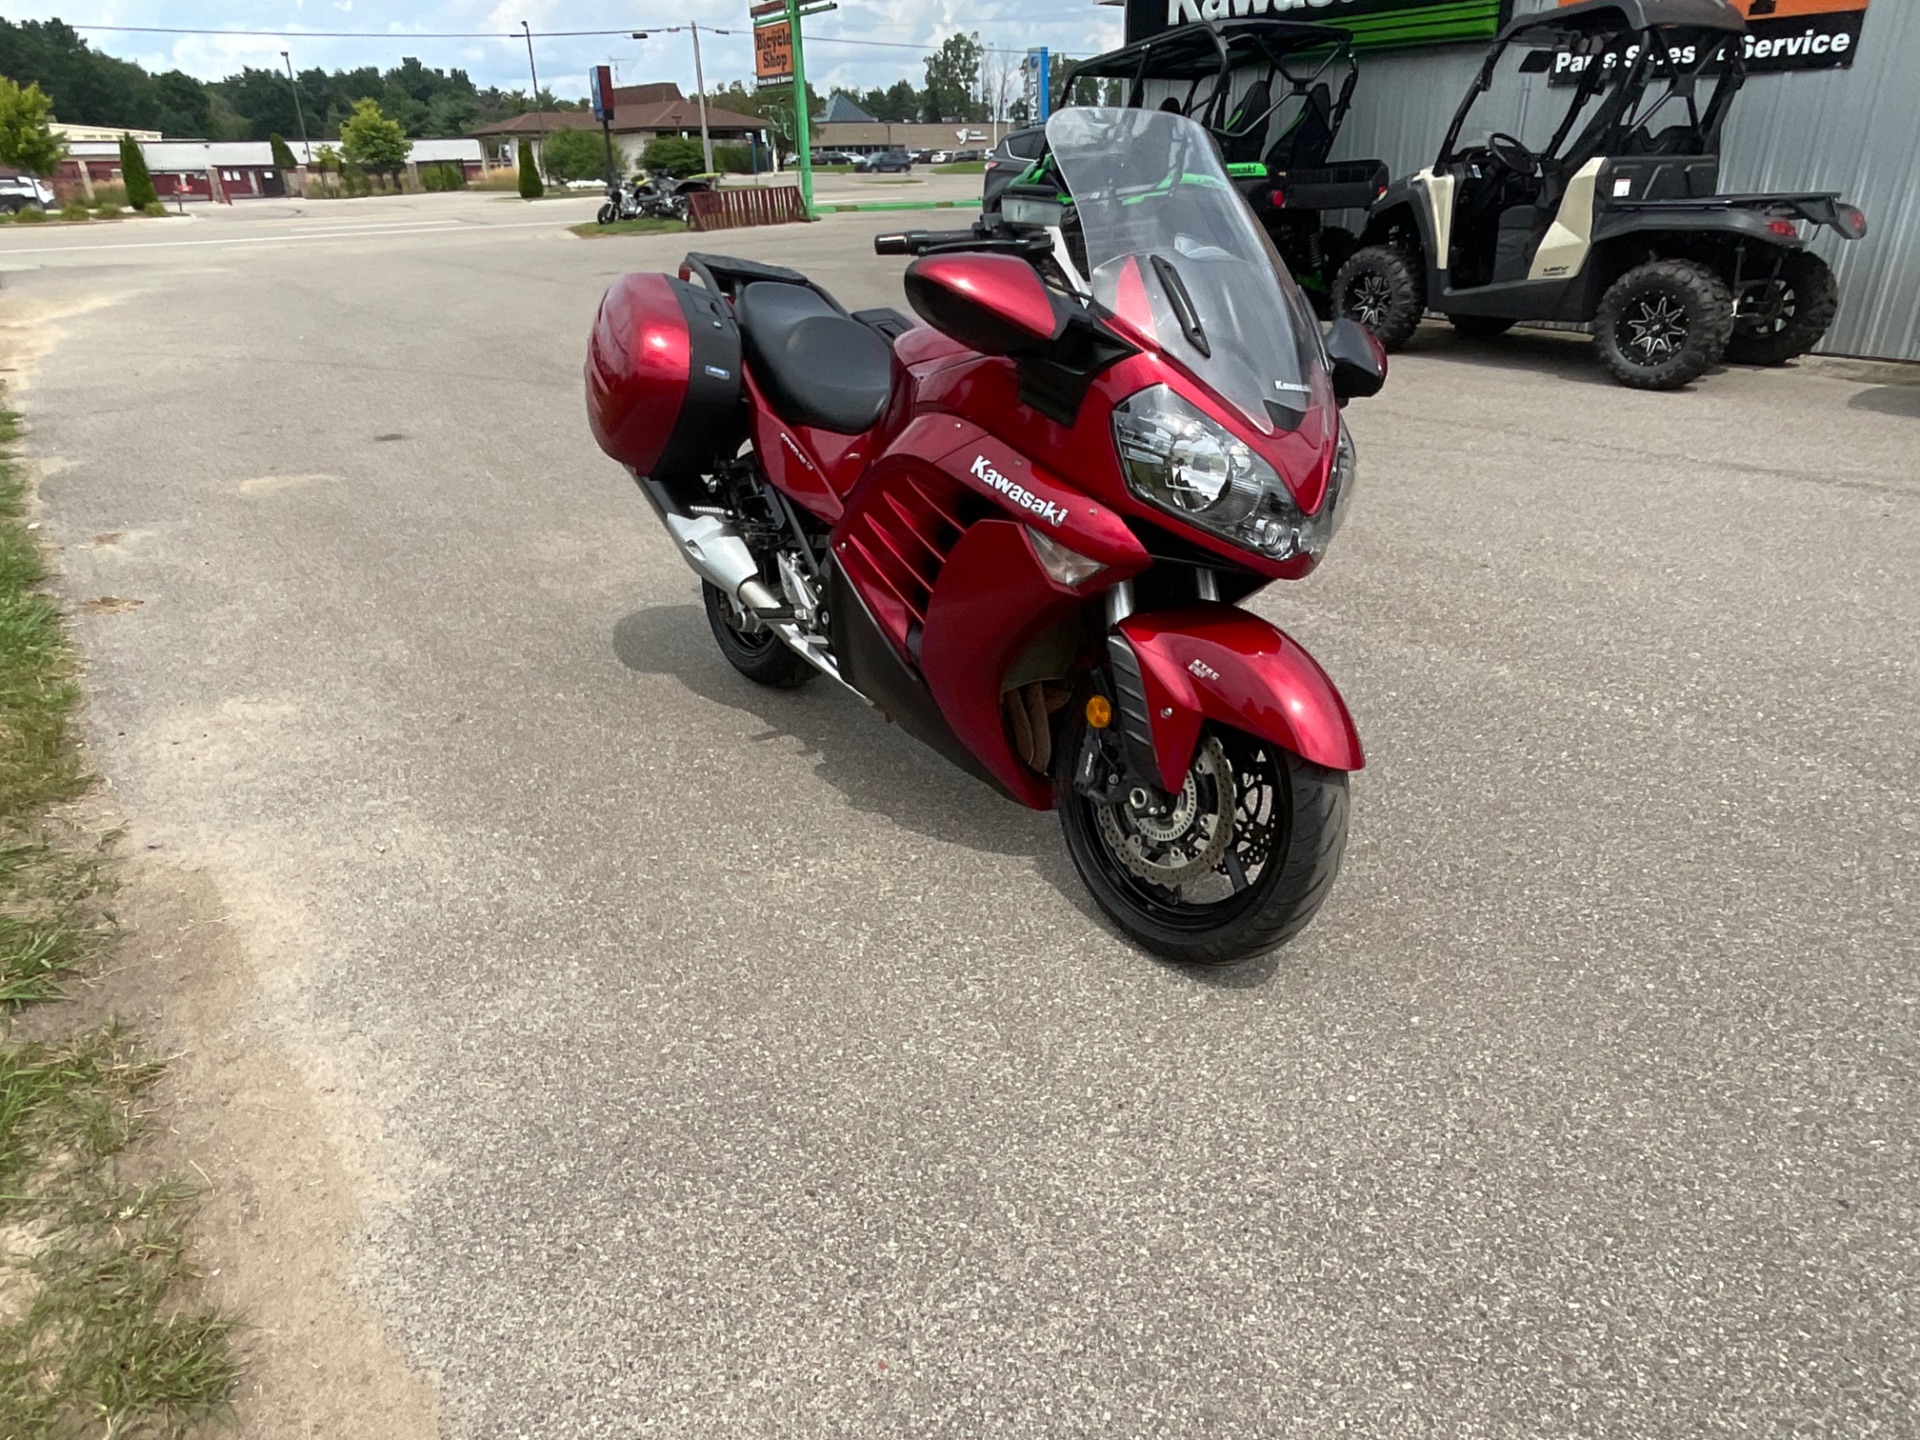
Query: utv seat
1246	133
1305	144
816	366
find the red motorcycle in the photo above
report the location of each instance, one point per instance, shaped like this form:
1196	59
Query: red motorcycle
1020	530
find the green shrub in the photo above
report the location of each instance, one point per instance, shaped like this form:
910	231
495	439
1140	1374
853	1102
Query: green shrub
109	193
531	187
29	217
443	175
353	180
133	172
733	159
676	156
282	153
574	155
75	210
153	207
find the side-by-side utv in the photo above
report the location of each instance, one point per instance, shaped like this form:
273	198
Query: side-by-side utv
1615	222
1273	94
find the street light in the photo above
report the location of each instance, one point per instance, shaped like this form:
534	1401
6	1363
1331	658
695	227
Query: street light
539	116
298	113
699	80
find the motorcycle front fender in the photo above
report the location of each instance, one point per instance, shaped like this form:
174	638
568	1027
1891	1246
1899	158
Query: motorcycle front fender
1218	663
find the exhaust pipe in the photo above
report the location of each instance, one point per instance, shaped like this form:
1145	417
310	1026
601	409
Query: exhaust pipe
720	557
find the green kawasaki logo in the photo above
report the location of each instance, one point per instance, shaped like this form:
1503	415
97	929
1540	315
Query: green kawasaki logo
1375	23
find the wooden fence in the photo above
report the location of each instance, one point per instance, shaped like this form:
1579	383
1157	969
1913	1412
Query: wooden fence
726	209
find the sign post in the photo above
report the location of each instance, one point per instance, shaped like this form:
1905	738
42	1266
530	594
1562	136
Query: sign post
779	55
600	87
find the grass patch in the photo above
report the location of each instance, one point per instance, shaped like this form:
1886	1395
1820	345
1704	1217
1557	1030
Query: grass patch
593	230
101	1332
962	167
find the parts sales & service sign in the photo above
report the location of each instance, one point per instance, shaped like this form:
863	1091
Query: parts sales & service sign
1781	35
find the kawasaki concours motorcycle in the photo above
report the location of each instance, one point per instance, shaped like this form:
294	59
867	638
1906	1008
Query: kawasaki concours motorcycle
1021	529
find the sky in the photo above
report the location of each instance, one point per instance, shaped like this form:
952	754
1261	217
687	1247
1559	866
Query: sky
1077	27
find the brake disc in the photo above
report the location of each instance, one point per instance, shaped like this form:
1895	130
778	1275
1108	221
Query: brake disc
1187	841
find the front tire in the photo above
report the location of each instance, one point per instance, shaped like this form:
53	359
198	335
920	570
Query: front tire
1784	317
759	655
1194	894
609	213
1382	288
1662	324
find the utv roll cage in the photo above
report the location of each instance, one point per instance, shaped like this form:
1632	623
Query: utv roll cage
1313	63
1624	47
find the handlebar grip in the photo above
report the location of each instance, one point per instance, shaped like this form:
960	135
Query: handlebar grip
918	242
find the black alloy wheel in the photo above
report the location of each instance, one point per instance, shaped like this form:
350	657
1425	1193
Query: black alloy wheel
1233	866
1381	288
1782	316
760	655
1662	324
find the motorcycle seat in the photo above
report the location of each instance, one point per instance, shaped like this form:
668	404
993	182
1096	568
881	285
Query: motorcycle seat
815	366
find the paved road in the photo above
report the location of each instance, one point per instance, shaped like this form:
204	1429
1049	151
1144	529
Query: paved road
722	1064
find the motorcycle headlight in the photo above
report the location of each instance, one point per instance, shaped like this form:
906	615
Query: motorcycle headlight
1180	459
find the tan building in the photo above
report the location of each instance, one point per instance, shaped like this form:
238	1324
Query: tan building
640	113
863	137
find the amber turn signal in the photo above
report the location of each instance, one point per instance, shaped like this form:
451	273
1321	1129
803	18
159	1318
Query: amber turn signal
1099	712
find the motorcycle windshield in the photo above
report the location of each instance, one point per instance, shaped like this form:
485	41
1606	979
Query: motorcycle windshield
1175	256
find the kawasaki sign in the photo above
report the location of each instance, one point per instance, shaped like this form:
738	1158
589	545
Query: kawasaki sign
1374	23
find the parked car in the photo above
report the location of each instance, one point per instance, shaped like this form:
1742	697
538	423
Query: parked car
961	157
24	192
922	157
883	161
940	157
835	157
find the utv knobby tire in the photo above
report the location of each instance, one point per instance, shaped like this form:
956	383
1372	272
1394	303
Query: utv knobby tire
1812	298
1480	327
1695	337
1276	907
762	657
1382	288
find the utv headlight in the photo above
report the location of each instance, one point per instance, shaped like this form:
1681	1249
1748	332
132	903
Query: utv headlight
1178	458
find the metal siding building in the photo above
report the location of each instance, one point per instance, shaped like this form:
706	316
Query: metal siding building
1856	131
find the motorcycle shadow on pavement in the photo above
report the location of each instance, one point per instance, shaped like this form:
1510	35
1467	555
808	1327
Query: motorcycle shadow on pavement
879	768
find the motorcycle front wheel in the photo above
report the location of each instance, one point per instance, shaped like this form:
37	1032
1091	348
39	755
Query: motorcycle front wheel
609	213
1233	866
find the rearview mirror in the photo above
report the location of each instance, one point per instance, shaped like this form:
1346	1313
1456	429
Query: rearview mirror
1359	364
995	304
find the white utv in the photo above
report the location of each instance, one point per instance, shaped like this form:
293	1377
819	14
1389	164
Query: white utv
1615	223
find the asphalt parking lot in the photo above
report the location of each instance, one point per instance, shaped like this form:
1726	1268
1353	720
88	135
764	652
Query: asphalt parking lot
582	1042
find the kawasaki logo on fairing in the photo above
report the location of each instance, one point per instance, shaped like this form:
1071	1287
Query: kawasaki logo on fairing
1018	494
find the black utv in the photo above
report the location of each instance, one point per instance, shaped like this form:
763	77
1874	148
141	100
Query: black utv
1273	95
1615	221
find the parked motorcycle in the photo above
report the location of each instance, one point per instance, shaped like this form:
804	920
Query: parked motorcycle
657	197
1020	529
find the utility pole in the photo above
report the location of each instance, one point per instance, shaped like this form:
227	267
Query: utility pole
699	80
540	121
298	113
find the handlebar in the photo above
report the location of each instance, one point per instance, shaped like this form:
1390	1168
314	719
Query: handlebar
918	242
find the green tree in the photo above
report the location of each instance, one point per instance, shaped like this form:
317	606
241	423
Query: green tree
953	81
372	141
530	186
133	174
282	152
574	155
26	141
673	155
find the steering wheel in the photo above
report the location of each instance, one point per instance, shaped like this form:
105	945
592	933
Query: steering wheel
1513	155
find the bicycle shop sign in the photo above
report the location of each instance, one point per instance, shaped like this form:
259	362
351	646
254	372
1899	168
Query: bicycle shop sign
1375	24
1781	35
